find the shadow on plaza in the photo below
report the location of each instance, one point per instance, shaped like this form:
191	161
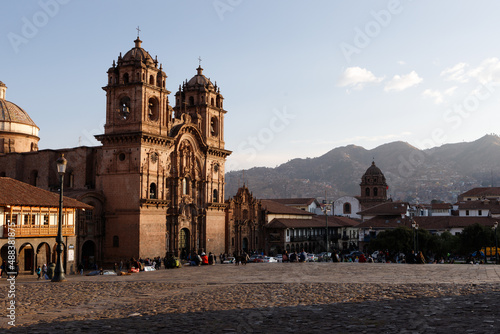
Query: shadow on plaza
477	312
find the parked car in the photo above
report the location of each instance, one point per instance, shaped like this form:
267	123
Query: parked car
270	259
279	257
311	258
324	256
355	254
256	258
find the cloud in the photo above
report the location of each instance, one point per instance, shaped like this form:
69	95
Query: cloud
357	78
401	62
399	83
437	95
456	73
487	71
434	94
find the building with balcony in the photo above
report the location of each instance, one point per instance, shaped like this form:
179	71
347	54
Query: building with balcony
29	216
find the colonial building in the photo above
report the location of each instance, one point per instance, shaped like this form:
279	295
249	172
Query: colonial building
29	216
157	181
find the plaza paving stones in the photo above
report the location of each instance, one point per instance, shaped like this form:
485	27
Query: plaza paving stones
266	298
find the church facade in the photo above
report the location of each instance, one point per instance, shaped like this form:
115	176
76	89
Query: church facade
157	181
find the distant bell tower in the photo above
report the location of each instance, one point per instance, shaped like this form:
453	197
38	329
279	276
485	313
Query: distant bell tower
373	187
137	99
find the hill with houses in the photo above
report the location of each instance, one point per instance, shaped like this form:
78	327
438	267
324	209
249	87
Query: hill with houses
413	175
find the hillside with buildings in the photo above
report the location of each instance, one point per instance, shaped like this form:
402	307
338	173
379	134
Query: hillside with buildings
413	175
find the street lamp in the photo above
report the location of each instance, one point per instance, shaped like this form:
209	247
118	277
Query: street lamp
496	242
413	225
59	270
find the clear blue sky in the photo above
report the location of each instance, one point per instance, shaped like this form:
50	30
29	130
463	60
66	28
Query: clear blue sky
298	77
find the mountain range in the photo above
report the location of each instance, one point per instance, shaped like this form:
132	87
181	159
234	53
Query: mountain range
413	175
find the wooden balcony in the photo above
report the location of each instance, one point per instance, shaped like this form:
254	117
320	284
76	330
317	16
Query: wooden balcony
37	231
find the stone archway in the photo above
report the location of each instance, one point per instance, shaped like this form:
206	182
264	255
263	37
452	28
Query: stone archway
26	258
42	254
88	254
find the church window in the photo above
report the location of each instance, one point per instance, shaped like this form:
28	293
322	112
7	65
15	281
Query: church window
214	126
125	78
218	102
121	156
347	208
375	191
116	241
124	110
245	214
158	81
151	80
212	102
216	196
191	101
232	242
153	109
367	192
152	191
185	186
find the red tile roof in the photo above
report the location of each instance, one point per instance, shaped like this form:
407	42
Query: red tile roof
14	192
441	206
316	221
294	201
481	192
427	223
492	205
389	208
274	207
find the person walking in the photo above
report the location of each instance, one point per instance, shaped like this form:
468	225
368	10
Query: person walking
38	271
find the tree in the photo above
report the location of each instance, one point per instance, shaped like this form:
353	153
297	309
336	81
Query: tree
475	237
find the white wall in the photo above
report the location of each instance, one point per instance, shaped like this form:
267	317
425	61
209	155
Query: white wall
338	206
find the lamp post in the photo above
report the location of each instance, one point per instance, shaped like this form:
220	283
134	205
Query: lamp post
496	242
413	225
59	270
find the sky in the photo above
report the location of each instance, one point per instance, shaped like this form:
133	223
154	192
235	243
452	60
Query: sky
299	78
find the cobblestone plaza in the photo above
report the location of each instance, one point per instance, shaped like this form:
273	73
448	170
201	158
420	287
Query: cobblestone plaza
266	298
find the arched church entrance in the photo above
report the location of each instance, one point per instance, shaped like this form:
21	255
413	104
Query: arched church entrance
88	254
184	246
245	245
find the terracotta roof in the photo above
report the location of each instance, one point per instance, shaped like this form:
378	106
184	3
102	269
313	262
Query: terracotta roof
481	192
294	201
441	206
275	207
492	205
428	223
316	221
14	192
389	208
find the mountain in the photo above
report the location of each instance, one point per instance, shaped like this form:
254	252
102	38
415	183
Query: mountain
413	175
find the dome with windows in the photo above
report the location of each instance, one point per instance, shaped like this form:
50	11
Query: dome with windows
138	54
18	132
199	79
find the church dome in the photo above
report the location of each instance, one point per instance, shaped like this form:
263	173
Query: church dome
138	54
373	170
18	132
199	79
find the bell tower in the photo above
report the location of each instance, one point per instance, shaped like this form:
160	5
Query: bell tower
202	100
137	100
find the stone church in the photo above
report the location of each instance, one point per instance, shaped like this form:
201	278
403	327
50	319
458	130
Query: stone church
157	181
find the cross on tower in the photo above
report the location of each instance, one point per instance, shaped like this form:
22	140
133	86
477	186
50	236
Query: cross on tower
199	61
138	31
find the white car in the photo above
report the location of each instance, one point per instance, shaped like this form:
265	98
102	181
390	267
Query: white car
270	259
279	257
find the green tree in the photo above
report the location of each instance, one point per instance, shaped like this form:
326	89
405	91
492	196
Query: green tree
475	237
